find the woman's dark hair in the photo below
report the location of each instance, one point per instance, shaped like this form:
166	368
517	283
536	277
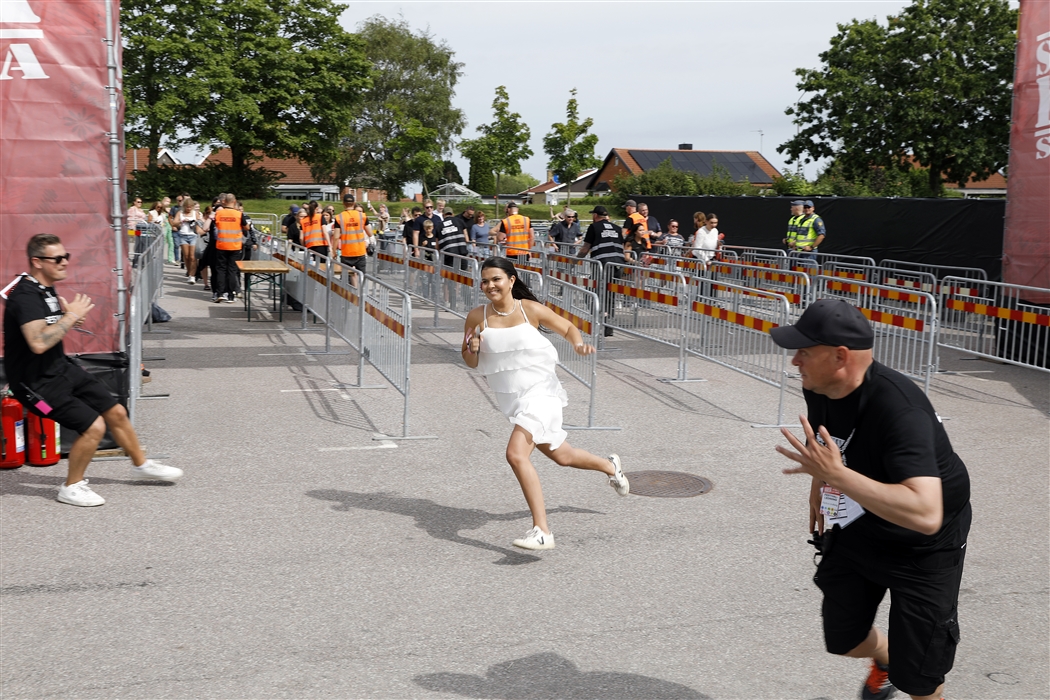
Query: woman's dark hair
311	208
519	290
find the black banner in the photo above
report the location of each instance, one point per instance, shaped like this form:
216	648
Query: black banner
959	232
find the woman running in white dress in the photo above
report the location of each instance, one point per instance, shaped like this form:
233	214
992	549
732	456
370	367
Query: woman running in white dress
502	339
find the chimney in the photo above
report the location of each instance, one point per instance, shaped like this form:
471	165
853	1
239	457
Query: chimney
550	175
685	147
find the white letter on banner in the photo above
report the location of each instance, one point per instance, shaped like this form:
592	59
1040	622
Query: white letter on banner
25	61
17	11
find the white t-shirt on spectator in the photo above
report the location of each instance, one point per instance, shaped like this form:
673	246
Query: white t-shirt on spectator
705	243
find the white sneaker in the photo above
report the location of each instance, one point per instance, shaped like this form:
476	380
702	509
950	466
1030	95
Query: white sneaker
536	539
192	280
79	494
156	470
618	480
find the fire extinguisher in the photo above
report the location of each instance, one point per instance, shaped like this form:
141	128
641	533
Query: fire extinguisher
12	439
42	436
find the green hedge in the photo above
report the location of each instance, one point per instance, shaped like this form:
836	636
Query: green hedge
202	182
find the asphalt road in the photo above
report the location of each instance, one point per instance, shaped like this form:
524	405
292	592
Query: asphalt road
301	558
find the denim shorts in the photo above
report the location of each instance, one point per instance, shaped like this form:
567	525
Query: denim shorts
184	238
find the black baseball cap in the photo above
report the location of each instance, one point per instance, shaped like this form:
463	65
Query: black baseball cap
601	210
831	322
808	203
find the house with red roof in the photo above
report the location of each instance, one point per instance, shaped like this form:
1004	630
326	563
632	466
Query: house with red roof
297	182
741	165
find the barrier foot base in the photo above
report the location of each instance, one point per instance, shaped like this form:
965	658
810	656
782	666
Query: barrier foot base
331	352
380	436
359	386
589	427
155	396
778	425
680	381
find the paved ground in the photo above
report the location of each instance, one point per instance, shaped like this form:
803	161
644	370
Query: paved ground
297	560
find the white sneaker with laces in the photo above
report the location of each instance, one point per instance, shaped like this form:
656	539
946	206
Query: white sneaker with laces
79	494
618	480
155	470
536	539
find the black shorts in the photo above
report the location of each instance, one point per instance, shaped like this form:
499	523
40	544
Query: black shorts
924	622
356	261
76	397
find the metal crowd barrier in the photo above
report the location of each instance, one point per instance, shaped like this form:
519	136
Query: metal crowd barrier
937	272
314	286
729	325
796	287
582	272
992	319
265	223
825	258
905	323
147	285
582	308
648	304
455	287
746	253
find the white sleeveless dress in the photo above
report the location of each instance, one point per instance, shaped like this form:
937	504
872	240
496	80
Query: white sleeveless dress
519	364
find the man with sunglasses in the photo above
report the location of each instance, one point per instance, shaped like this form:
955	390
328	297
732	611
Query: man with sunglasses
417	223
51	385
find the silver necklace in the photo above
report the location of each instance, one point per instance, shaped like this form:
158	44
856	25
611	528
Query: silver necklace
501	313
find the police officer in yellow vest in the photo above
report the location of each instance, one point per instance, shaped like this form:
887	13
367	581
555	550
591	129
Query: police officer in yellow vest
793	223
811	231
354	234
516	232
228	230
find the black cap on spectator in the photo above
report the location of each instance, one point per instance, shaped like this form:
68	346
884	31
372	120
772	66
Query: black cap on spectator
831	322
798	203
630	203
601	210
348	197
809	203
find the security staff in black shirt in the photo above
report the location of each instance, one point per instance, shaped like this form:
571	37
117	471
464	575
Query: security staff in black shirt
889	497
51	385
604	243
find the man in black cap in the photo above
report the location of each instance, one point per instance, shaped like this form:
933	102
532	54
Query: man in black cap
890	500
604	241
793	222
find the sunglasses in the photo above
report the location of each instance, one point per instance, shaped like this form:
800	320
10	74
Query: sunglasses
57	259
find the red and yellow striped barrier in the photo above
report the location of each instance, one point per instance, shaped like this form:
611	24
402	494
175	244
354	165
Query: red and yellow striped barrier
875	291
386	320
849	275
347	294
585	282
998	312
733	317
660	298
421	266
897	320
456	277
583	324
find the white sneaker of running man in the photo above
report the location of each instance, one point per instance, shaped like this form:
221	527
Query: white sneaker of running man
536	539
79	494
155	470
618	480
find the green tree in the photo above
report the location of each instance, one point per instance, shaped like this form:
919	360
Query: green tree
664	179
285	79
482	180
933	85
414	78
446	171
503	143
570	147
720	182
512	184
164	90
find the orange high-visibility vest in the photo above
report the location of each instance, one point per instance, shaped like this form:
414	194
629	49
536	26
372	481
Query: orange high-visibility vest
644	228
517	230
228	229
352	239
312	234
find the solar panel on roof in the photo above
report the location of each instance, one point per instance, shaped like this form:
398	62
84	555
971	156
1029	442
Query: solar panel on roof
739	165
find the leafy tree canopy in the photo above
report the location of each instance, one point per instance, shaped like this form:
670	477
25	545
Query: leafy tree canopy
512	184
446	171
408	103
570	146
665	179
933	84
285	80
503	143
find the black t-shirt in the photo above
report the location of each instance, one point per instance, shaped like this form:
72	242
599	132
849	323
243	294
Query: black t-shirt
653	224
450	238
291	222
891	433
30	301
606	241
417	223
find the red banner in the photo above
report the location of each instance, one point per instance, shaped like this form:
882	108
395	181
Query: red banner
54	149
1026	246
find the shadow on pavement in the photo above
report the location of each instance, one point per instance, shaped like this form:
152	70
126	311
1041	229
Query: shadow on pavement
440	522
551	676
21	482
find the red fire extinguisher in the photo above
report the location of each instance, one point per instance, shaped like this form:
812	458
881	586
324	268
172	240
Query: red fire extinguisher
12	437
43	441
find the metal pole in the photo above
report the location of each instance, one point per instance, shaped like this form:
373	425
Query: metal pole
361	282
116	211
328	307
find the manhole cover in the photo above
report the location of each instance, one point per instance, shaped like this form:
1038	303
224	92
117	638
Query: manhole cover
668	484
